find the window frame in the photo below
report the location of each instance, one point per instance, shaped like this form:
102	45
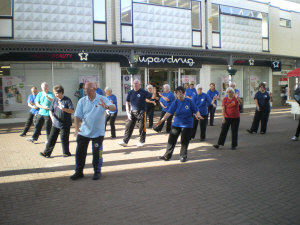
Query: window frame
219	30
127	24
100	22
200	23
11	17
286	20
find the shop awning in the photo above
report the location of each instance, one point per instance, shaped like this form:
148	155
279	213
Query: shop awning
294	73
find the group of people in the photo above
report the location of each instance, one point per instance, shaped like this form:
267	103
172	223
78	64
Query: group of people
187	108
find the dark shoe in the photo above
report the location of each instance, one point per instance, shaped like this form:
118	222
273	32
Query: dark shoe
163	158
202	139
249	131
22	135
76	176
113	136
262	132
182	159
96	176
155	129
44	155
216	146
233	148
67	154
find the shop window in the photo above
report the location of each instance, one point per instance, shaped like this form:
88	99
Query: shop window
126	21
100	25
6	19
196	23
285	23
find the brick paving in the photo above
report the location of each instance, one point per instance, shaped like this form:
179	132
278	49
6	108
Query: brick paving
256	184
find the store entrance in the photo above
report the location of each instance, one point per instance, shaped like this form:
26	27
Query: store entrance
159	77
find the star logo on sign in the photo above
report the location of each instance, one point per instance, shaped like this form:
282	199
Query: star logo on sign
275	64
83	56
251	62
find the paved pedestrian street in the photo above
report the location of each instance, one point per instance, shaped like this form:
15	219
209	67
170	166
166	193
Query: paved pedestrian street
259	183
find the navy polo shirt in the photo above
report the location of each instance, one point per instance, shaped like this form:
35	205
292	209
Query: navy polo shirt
202	102
61	118
171	98
137	99
183	111
263	100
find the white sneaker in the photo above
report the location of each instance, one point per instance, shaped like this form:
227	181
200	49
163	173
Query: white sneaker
140	144
294	138
122	143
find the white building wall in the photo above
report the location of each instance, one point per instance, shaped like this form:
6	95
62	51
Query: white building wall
53	20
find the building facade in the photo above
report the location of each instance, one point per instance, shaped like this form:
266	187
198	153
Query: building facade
170	41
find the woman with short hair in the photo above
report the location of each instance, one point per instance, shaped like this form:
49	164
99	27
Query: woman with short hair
150	105
231	117
111	115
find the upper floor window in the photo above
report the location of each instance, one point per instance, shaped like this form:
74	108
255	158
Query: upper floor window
239	12
126	11
196	23
100	20
126	21
215	20
185	4
6	19
285	23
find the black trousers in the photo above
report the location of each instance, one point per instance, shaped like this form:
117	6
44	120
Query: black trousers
139	117
64	137
150	113
260	116
169	123
185	140
81	151
298	129
111	118
211	111
203	125
28	123
39	125
234	123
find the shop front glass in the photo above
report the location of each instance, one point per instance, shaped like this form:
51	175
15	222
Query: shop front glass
188	76
22	76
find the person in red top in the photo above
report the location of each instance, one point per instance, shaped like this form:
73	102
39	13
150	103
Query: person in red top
231	117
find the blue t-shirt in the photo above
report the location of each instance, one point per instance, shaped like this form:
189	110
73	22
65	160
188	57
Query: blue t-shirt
99	91
61	119
31	99
190	92
171	98
113	98
183	111
263	100
43	101
92	115
137	99
212	94
202	102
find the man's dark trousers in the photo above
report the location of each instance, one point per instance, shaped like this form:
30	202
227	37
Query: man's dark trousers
28	122
39	125
64	137
136	116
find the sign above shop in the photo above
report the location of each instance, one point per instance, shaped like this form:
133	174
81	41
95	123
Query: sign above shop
276	66
167	61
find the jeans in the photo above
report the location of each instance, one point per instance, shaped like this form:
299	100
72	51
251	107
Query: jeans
136	116
39	125
64	137
203	125
234	123
81	151
185	140
111	118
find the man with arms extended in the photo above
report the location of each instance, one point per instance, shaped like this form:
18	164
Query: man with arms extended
91	111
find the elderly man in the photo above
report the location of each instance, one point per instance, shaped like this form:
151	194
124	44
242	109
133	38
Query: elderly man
91	111
135	108
33	110
43	101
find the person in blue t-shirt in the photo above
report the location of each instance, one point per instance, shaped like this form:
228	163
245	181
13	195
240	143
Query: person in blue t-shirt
166	99
183	108
111	115
262	112
214	95
33	110
135	109
60	112
90	111
43	101
190	91
202	101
